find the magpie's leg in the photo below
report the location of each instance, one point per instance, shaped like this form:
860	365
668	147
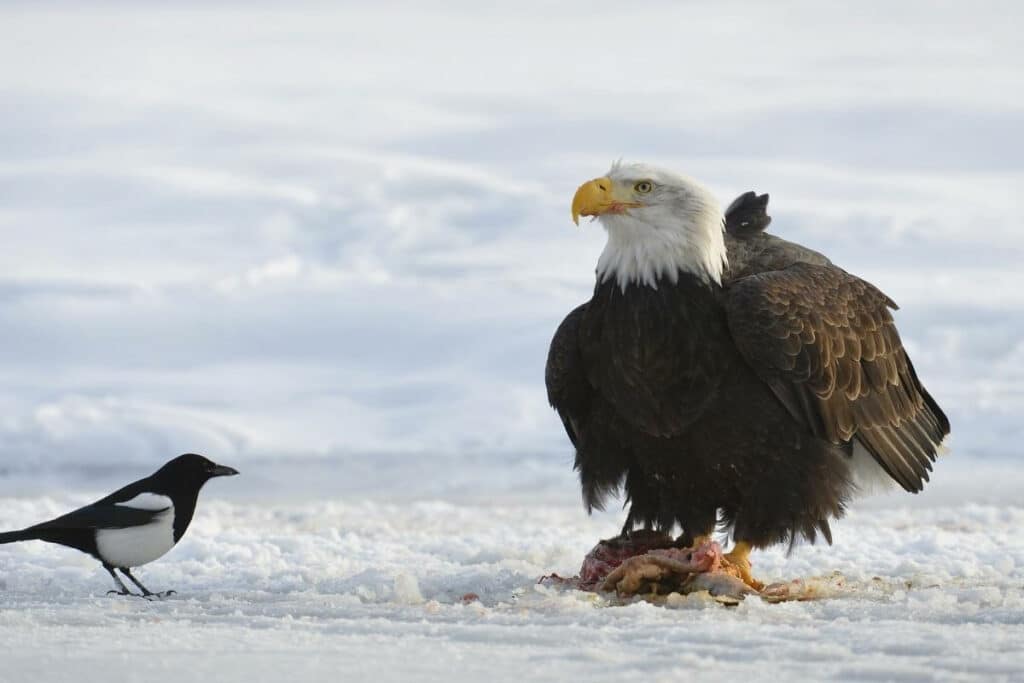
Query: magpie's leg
146	593
120	584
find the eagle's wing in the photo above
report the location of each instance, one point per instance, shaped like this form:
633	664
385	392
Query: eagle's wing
826	344
569	391
753	250
747	215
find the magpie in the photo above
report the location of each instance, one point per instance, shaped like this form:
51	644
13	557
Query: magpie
134	525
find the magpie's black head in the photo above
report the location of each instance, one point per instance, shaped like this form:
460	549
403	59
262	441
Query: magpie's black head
192	469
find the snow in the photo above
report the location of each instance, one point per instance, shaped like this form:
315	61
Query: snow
364	590
329	245
383	587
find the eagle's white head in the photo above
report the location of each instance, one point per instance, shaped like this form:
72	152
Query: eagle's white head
659	223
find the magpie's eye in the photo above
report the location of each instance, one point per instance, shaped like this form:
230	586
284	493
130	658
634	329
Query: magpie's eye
643	187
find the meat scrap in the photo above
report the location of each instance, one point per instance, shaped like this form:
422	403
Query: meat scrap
652	566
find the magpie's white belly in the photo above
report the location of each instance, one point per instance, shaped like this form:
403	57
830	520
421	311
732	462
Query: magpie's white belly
135	546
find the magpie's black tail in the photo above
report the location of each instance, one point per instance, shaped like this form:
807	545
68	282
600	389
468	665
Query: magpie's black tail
14	536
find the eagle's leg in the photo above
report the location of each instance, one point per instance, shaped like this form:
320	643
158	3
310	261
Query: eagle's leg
123	590
698	525
629	528
696	541
739	560
146	593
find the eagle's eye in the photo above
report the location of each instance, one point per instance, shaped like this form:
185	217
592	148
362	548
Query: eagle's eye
643	187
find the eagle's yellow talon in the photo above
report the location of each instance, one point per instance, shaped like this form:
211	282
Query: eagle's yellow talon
739	561
703	539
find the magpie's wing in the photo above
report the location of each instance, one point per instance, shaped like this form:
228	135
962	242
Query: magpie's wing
111	513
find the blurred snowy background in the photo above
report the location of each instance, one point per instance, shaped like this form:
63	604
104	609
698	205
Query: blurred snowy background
336	233
329	244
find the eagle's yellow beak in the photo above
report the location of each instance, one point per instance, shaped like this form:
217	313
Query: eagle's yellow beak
598	196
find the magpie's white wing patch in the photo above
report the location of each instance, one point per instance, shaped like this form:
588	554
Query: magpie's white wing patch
137	545
148	501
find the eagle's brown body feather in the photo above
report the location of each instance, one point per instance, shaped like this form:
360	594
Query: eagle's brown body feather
740	402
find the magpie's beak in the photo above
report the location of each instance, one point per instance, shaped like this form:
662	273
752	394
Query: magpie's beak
223	471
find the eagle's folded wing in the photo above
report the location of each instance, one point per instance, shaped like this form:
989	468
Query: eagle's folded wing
825	342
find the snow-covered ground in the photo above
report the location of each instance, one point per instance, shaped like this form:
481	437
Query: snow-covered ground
328	245
373	590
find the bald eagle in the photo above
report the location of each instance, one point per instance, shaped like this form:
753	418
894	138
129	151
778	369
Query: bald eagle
721	375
